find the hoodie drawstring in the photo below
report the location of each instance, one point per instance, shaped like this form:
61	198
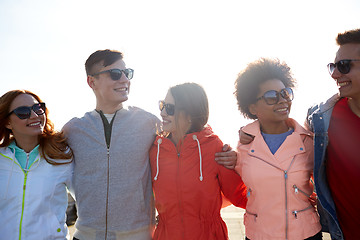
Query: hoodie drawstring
159	141
195	139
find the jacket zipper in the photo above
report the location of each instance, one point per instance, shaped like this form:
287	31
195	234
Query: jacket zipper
252	214
23	204
297	190
299	211
286	201
179	197
24	191
107	191
27	162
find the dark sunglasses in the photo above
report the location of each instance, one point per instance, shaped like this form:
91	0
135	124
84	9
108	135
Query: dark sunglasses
24	112
116	73
272	97
169	108
344	66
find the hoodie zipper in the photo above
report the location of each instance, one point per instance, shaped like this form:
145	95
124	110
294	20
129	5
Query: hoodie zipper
107	135
107	190
286	201
179	196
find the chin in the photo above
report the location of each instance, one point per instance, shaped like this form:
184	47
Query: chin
123	99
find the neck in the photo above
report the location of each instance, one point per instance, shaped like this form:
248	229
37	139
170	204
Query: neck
274	128
354	106
108	108
27	144
175	138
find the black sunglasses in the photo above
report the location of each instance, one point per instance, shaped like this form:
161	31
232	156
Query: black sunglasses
272	97
344	66
169	108
24	112
116	73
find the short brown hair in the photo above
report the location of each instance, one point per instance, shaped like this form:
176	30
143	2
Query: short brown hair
53	144
101	57
351	36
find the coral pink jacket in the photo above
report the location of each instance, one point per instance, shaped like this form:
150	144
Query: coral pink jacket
188	188
278	186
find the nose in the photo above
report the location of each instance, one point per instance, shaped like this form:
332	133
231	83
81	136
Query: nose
163	113
123	78
282	99
33	114
335	74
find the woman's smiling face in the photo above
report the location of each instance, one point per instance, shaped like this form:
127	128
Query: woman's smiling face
271	115
29	128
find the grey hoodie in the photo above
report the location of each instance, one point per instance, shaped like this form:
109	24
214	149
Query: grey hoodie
112	185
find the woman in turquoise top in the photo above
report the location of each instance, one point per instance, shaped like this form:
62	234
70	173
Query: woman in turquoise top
35	170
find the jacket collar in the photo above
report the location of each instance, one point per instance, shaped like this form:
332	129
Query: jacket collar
293	146
330	103
254	128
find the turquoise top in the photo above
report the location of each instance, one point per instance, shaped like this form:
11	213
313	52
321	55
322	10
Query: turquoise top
25	159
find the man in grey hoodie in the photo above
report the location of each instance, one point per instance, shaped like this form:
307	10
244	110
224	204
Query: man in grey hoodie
112	183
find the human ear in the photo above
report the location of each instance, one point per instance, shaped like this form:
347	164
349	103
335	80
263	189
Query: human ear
253	109
8	125
90	81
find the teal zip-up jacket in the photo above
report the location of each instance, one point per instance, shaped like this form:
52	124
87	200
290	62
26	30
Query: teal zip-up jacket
33	203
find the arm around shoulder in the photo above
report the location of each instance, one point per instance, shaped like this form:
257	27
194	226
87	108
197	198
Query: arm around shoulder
227	157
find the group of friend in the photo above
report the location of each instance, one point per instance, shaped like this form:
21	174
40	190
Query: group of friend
119	162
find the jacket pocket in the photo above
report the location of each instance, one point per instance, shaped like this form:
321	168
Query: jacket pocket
250	216
302	195
55	229
297	212
299	191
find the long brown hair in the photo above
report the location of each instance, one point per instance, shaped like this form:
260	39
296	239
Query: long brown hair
191	100
53	144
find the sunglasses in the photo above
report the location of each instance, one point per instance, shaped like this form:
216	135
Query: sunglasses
169	108
116	73
24	112
272	97
344	66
